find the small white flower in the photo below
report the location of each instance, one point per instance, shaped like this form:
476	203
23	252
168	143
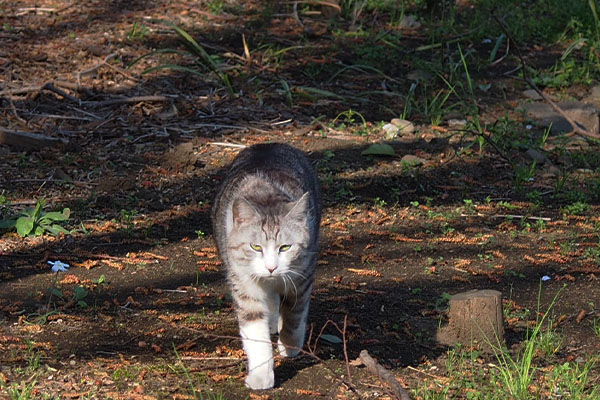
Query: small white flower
58	266
486	41
545	278
529	127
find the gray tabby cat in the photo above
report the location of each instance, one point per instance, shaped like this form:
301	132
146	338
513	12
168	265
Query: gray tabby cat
266	220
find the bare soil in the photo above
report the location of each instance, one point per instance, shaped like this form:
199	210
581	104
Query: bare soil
139	177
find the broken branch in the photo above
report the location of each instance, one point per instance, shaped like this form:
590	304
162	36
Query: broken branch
375	368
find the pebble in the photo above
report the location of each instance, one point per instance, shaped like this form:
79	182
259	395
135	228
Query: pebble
532	94
457	123
404	126
390	131
412	160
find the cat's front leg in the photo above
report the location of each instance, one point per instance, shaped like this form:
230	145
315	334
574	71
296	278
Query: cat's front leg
254	330
292	324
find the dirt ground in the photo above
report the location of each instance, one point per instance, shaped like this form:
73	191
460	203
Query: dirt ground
139	174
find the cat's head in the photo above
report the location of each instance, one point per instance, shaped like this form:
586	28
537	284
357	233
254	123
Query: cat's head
267	238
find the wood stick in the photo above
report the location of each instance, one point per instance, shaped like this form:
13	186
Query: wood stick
51	86
28	140
126	100
375	368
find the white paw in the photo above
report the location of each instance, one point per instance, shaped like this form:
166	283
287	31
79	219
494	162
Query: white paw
287	351
256	381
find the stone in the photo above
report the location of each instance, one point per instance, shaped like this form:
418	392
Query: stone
475	319
182	158
583	114
595	91
390	131
532	94
412	160
409	21
537	156
405	127
551	172
594	97
456	123
419	75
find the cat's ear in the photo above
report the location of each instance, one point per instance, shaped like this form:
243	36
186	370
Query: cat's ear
298	210
243	211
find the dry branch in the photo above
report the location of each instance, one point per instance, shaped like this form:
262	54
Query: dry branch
52	86
28	140
126	100
377	369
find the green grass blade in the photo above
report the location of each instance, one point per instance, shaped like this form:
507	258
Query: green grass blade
321	92
360	68
195	47
496	47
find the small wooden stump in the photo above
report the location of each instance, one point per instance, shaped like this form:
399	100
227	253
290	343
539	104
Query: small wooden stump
475	318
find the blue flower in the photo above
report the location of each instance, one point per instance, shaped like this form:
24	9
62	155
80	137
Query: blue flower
59	266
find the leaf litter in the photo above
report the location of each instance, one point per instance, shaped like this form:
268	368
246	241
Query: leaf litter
137	217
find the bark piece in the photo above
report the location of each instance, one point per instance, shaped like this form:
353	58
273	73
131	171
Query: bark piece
475	318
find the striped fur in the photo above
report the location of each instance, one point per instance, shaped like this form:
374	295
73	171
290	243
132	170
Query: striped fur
266	220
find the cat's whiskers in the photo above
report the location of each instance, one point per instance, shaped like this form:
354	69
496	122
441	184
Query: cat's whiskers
283	276
300	274
291	280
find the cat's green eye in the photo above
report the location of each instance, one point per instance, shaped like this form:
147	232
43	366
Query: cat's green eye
256	247
284	247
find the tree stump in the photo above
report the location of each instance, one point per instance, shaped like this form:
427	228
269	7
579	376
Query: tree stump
475	318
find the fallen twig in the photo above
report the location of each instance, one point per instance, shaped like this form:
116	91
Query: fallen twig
513	216
52	86
375	368
35	10
126	100
238	146
516	216
27	140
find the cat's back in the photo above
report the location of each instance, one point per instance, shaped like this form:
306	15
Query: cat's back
261	168
271	157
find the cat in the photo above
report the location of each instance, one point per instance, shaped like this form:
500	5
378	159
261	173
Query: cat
266	218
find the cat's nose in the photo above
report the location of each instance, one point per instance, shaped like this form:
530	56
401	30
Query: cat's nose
271	269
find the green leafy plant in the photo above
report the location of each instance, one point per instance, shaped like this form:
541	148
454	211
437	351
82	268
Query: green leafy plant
79	294
35	221
577	208
517	372
138	32
347	118
596	326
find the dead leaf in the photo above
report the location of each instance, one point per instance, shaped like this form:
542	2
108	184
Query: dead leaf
156	348
580	316
365	272
308	392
